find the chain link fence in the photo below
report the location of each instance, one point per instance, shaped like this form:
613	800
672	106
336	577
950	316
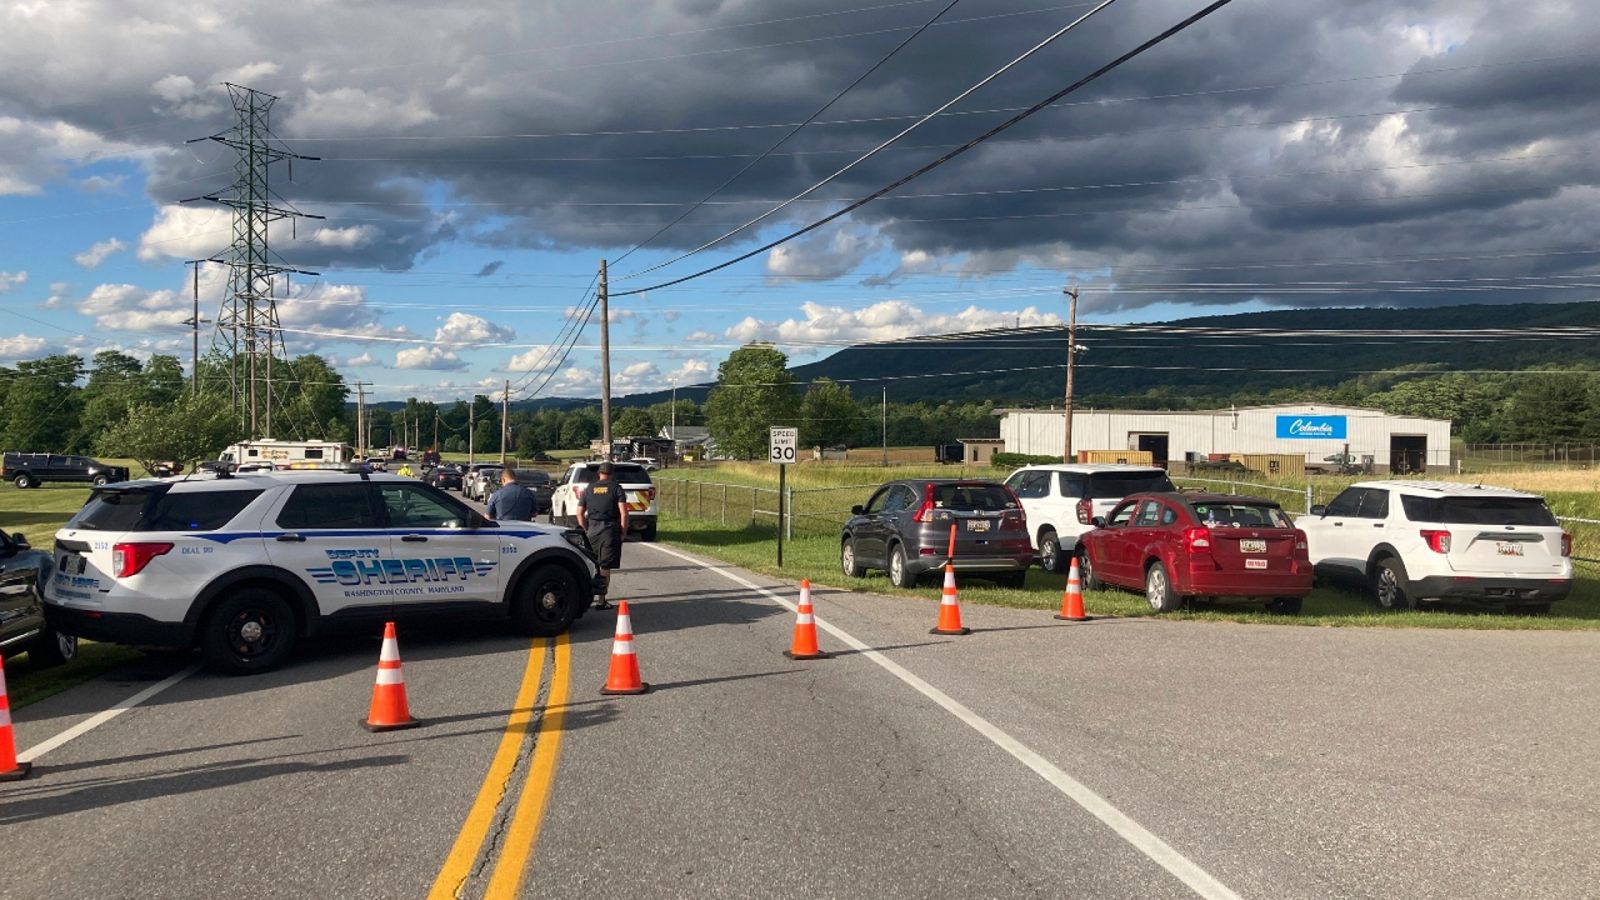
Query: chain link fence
1585	545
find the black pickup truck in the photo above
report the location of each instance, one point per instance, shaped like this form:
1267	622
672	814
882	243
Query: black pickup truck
26	470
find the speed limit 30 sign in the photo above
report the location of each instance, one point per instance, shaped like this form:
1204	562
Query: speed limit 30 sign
782	446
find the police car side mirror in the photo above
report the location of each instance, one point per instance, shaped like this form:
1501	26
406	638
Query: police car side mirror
20	539
855	510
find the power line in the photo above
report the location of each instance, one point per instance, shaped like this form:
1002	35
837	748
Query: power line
881	146
997	129
882	61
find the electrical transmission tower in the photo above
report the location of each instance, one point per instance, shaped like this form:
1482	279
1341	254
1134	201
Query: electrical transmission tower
247	335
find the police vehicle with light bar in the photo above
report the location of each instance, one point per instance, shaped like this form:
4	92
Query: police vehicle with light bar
244	566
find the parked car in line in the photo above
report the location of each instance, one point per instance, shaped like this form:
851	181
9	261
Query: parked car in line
1175	546
377	464
24	572
1416	541
635	482
540	484
649	463
904	529
26	470
1062	500
446	477
480	481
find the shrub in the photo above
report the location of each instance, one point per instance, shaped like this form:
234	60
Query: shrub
1013	460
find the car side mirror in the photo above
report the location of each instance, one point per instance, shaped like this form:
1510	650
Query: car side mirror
1098	521
857	510
1319	510
20	539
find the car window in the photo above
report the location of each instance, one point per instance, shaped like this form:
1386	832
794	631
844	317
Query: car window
412	506
198	510
1149	514
1347	503
971	497
1168	515
1374	504
1030	485
112	511
1121	514
1241	515
1478	510
1073	485
900	498
875	505
1110	485
329	506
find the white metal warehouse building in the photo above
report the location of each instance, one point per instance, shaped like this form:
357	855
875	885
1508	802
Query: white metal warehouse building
1389	443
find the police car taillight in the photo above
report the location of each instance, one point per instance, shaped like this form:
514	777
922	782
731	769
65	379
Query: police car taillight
131	558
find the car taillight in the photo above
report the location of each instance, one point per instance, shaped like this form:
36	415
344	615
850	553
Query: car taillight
1197	538
650	494
1438	541
925	511
1300	542
1566	544
131	558
1085	511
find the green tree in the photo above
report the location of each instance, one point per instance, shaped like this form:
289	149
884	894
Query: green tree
191	428
1549	407
633	422
116	383
42	406
164	379
486	436
754	392
579	427
829	416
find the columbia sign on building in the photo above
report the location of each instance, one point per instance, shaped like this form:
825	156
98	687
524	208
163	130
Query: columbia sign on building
1330	428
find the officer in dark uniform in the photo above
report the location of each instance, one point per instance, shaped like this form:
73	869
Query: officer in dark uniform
603	515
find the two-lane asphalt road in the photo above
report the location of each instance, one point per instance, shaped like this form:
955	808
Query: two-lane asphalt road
1117	758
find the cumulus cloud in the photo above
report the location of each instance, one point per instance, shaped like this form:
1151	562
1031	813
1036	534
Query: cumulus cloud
128	307
701	336
365	359
21	346
97	253
467	330
885	321
9	280
428	358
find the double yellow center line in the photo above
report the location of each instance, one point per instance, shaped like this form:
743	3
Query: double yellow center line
523	831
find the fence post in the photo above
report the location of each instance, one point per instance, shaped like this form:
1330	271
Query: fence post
1308	498
724	505
788	516
699	500
752	506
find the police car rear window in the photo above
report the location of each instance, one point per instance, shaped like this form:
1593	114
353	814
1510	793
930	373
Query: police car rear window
112	511
197	510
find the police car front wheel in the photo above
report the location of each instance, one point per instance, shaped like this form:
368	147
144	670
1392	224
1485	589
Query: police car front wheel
250	630
547	602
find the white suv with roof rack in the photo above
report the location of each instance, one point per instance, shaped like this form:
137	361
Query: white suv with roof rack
1063	500
244	566
1413	541
635	482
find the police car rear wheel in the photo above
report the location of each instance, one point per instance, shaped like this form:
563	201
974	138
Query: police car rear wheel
251	630
547	602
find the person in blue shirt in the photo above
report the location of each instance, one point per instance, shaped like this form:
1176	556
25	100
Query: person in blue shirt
512	501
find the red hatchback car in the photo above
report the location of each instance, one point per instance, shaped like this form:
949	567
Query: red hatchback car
1176	546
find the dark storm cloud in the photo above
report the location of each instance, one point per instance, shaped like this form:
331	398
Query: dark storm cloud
490	268
1303	131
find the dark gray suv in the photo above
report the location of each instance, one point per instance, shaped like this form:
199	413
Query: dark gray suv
904	529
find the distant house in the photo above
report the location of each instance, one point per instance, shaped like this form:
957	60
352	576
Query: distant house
690	441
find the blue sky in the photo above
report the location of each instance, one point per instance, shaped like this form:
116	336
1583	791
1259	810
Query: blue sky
479	162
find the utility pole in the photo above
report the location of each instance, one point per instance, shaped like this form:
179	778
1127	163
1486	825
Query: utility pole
885	426
436	429
505	413
672	432
361	419
605	361
250	304
194	323
472	426
1072	359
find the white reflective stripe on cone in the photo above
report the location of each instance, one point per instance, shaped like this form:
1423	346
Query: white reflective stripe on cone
805	619
390	676
390	651
622	648
5	718
624	624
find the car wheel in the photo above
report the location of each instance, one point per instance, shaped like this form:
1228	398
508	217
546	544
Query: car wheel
648	533
1051	559
1086	574
847	559
547	602
251	630
1284	606
1158	590
23	482
899	575
101	481
53	649
1389	586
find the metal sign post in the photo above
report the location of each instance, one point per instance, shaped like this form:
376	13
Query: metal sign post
781	446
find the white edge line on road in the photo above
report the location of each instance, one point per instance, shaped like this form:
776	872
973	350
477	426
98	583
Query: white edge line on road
1185	870
104	716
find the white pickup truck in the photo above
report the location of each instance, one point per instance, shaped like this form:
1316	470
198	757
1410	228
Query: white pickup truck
1062	500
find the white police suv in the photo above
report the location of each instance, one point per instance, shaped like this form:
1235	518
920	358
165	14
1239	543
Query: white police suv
243	566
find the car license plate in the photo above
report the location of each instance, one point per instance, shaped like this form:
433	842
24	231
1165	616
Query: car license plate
1255	564
977	524
1508	548
72	564
1252	546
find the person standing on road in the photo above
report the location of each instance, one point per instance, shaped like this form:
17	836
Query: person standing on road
603	516
512	501
405	470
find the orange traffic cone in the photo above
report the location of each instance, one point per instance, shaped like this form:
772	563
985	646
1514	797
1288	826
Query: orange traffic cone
10	769
624	675
949	609
805	629
389	708
1072	600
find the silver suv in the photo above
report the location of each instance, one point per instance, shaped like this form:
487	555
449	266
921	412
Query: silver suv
244	566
